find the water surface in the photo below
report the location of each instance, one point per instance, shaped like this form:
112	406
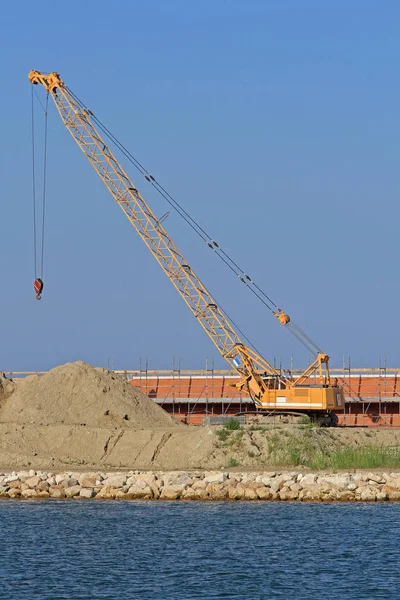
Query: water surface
152	550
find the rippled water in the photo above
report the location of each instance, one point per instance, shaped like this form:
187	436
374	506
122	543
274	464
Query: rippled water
148	550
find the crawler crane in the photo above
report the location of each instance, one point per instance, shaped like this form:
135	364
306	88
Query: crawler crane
312	392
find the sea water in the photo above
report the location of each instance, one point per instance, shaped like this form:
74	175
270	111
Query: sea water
92	549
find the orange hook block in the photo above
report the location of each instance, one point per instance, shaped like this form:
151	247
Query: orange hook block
283	318
38	287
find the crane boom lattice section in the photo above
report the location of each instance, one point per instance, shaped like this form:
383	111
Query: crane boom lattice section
269	388
78	122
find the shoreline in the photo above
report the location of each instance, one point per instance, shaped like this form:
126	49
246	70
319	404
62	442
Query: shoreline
201	485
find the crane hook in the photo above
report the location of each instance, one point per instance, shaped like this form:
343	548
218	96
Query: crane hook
38	287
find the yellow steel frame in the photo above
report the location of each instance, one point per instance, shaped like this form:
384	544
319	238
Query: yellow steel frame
251	366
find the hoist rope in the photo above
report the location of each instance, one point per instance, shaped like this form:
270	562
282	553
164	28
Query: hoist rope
39	100
44	182
301	336
33	184
36	249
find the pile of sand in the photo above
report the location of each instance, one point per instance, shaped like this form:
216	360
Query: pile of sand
79	394
7	386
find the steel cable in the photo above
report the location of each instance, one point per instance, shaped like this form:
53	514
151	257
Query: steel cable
44	182
300	335
33	182
180	210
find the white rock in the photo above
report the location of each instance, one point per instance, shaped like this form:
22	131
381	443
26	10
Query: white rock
12	477
150	478
368	494
87	493
276	485
173	478
72	491
216	478
199	484
308	479
32	482
248	478
296	487
88	480
264	480
340	481
352	487
375	478
32	473
172	492
28	493
140	491
115	481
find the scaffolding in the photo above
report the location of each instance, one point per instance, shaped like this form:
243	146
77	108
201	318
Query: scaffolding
372	395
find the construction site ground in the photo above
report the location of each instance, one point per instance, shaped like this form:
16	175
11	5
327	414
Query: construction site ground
80	417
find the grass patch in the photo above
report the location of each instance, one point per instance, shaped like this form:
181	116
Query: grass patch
258	428
223	434
235	439
356	458
232	462
304	420
227	428
231	424
313	449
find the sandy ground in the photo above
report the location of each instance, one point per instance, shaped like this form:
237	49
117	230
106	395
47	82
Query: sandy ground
78	416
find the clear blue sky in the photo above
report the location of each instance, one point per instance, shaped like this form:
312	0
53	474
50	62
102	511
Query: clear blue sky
275	123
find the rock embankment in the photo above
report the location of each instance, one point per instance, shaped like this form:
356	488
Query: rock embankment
203	485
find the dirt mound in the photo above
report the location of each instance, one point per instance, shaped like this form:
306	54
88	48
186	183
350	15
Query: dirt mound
7	387
79	394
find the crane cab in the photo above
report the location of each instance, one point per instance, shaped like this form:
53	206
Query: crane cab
310	399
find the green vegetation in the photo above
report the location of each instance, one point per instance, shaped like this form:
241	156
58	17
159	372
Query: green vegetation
304	420
227	428
356	458
313	449
231	424
316	448
223	434
236	439
232	462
